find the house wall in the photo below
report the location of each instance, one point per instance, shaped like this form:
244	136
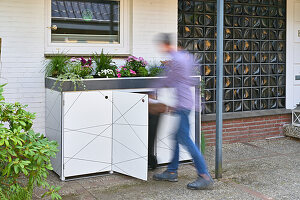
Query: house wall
149	19
22	26
22	33
293	56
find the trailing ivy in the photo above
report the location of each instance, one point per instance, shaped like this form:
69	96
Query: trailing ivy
69	76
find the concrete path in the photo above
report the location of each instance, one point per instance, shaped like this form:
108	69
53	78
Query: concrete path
267	169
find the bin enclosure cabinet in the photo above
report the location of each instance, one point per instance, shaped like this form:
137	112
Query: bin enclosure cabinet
98	131
107	131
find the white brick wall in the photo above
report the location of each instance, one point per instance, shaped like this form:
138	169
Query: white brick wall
151	17
22	32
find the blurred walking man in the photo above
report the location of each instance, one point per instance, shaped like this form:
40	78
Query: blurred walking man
178	77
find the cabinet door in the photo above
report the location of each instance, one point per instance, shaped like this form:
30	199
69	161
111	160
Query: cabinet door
87	132
53	126
168	125
130	134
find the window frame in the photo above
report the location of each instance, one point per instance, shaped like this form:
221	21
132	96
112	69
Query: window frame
87	48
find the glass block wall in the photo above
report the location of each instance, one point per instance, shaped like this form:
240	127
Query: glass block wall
254	51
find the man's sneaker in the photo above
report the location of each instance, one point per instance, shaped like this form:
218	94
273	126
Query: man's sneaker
166	176
201	184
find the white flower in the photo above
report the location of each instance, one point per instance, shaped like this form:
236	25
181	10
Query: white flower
106	72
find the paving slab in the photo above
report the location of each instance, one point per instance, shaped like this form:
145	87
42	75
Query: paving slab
272	177
69	188
109	181
282	146
267	170
169	191
238	152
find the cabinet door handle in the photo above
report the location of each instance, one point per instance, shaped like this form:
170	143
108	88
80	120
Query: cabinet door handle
106	97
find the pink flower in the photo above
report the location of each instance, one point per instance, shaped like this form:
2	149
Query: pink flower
89	62
83	61
125	68
132	72
119	75
132	58
73	59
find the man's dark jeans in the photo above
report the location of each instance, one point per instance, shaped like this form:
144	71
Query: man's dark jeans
182	137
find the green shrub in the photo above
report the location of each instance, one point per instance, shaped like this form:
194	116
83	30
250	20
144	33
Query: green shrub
56	65
24	154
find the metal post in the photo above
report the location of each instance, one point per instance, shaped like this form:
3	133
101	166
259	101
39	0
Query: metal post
197	116
219	111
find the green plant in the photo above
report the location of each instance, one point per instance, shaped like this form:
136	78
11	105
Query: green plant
203	143
103	62
142	71
56	65
80	66
156	70
24	154
202	88
69	76
85	71
77	69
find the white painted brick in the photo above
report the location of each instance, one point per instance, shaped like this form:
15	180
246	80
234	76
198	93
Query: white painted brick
22	33
21	67
151	17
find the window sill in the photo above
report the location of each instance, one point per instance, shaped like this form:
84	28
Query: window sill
246	114
116	56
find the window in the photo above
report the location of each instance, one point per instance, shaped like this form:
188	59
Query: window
85	21
87	26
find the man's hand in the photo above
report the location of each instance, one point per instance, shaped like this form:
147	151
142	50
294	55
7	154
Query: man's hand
170	109
157	108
